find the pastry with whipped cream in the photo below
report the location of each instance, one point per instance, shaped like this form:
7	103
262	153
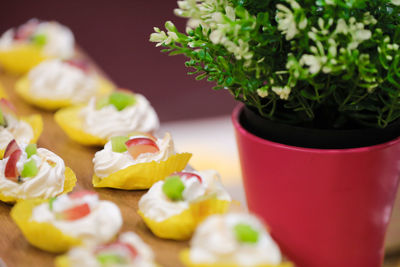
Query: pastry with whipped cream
57	83
24	47
137	161
119	114
233	240
174	207
128	250
65	221
25	129
27	172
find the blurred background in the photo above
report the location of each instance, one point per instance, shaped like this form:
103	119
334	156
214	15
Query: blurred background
115	34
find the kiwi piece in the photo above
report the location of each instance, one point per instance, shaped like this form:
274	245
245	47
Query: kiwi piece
121	100
173	188
118	143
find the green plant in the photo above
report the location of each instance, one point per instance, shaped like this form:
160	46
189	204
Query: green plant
318	63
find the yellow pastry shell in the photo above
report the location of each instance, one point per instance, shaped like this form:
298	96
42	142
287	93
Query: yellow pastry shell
3	93
182	226
185	258
69	120
69	184
63	261
143	175
21	58
42	235
22	87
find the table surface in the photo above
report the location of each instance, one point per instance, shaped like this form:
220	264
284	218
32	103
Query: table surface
16	251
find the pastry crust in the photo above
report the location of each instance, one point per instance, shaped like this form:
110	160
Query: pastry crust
22	86
42	235
143	175
68	119
185	258
69	184
182	226
21	58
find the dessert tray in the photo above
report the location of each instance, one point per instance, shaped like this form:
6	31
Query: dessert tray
16	251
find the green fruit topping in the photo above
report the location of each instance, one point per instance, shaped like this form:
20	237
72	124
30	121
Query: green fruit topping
173	188
30	150
121	100
30	169
102	102
51	201
109	258
245	233
39	39
118	143
2	119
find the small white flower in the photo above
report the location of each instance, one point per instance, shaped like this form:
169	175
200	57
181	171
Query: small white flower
262	92
170	26
217	17
283	92
158	37
286	22
216	36
396	2
230	12
173	36
312	61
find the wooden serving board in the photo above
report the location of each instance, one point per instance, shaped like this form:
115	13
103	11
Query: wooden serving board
15	251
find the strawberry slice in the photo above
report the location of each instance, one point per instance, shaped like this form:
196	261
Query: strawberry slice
118	246
11	170
11	147
140	145
188	175
7	107
81	64
75	213
81	194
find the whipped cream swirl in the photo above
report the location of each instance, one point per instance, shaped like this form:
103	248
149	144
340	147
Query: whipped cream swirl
99	226
60	41
157	206
108	121
48	182
107	162
58	80
214	242
16	129
81	256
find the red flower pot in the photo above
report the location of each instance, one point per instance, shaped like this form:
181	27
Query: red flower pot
324	207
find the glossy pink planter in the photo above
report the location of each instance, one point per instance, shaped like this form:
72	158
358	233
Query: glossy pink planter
325	208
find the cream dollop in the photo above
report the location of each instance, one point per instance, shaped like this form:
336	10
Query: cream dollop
16	129
60	42
59	80
214	241
48	182
99	226
157	206
108	121
107	162
84	256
